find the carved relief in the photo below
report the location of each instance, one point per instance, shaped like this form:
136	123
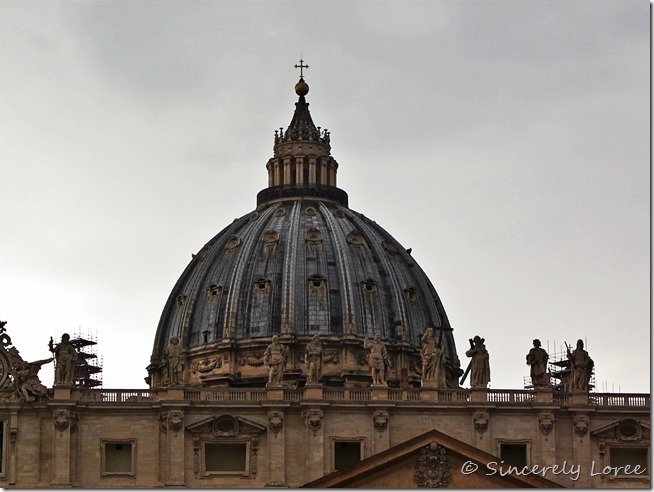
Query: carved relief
331	358
7	396
175	420
181	299
546	422
275	421
251	360
63	419
581	425
313	419
280	212
432	469
380	420
310	211
207	365
480	420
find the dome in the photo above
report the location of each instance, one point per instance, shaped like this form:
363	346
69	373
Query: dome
302	264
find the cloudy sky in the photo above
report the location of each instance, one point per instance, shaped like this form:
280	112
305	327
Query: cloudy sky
505	142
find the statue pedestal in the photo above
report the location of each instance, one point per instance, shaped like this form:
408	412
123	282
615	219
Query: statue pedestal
378	392
479	394
429	393
175	393
579	398
313	391
275	391
62	391
543	395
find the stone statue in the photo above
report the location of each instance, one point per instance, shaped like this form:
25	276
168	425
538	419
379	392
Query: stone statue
174	362
433	360
537	359
377	360
480	370
275	358
65	357
313	356
581	366
27	380
26	376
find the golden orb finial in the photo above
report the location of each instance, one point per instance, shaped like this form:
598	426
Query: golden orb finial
301	88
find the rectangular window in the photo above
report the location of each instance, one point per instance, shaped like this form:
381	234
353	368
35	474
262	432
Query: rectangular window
226	458
629	456
514	453
118	457
346	453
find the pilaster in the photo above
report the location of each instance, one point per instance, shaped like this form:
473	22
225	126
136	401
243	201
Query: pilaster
380	432
276	448
315	444
173	422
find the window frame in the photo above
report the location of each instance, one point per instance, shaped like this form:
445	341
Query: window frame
215	473
103	460
631	476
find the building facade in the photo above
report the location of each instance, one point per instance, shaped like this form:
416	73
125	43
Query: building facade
303	345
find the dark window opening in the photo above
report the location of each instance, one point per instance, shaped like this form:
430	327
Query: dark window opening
621	457
118	459
225	457
514	454
346	453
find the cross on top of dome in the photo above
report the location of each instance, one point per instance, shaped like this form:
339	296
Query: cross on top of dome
301	66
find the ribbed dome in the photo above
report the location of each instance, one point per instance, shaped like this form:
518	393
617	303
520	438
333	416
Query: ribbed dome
302	264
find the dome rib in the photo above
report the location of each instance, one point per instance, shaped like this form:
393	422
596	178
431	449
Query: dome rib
341	262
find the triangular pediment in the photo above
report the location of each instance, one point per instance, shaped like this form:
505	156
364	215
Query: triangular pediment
623	430
432	459
225	425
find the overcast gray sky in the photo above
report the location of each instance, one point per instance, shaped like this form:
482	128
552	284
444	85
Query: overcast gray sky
505	142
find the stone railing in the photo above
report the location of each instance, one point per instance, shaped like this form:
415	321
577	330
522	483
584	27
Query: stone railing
425	396
619	400
118	396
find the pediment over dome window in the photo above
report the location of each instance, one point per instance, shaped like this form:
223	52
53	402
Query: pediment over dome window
270	237
355	239
313	236
232	243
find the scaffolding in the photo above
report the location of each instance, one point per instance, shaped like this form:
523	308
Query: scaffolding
88	367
